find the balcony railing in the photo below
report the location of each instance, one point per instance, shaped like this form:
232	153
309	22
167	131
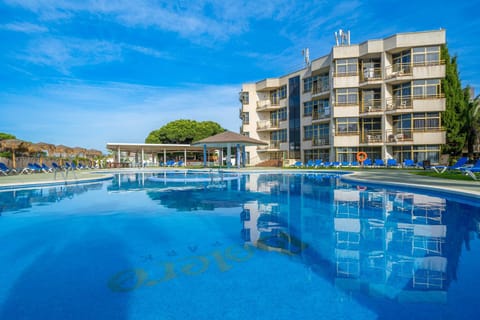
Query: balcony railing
399	103
320	141
268	104
273	145
371	74
399	135
319	115
266	125
320	87
399	70
372	105
371	136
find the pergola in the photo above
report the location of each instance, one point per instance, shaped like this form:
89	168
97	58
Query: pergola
228	139
145	148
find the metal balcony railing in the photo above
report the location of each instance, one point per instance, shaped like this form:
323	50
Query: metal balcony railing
399	103
320	141
273	145
370	74
319	115
371	136
371	105
266	124
398	70
320	87
399	135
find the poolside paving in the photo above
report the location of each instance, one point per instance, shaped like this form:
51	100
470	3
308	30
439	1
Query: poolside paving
378	176
407	179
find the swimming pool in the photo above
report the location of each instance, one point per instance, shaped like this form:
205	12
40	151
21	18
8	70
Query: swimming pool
270	246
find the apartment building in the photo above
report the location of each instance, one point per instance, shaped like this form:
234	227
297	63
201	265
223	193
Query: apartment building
382	97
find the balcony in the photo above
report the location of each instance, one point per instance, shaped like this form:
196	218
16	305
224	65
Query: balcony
398	71
399	103
320	141
320	88
371	106
267	125
321	115
371	137
371	74
399	135
272	146
269	105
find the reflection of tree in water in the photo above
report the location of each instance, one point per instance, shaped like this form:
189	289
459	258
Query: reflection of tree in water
16	200
199	199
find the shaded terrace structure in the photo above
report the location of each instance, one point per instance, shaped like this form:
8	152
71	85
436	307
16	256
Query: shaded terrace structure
144	149
228	139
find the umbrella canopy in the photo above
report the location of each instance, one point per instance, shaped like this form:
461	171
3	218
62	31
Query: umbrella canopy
14	145
93	153
48	147
78	151
63	150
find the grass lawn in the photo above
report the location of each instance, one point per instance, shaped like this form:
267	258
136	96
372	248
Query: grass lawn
452	175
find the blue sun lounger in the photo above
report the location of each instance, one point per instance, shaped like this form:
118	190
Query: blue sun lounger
460	163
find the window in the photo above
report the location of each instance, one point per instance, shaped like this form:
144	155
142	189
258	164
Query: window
426	88
307	84
426	55
320	83
316	131
425	121
307	108
346	67
402	122
245	117
401	61
279	136
278	115
402	90
371	124
317	154
347	96
277	95
426	152
244	97
346	126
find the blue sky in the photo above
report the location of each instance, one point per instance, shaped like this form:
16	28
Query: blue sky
84	73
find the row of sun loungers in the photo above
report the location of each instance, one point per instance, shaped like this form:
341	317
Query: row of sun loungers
377	163
43	168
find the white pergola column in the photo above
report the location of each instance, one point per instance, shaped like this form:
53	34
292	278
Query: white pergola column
164	157
185	157
118	154
143	157
229	155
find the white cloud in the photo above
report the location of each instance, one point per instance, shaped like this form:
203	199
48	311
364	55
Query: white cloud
24	27
92	114
65	53
200	21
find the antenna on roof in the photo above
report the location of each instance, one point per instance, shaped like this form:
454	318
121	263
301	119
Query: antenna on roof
342	38
306	56
308	64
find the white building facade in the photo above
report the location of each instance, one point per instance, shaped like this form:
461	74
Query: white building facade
382	97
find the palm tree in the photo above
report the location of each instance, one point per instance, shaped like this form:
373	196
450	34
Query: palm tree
471	120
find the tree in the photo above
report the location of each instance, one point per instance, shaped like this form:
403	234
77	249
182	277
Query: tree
184	131
471	117
5	136
455	106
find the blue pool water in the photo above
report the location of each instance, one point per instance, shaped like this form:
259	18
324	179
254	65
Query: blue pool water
260	246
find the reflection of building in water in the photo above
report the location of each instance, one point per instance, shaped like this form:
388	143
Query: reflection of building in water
269	222
392	243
